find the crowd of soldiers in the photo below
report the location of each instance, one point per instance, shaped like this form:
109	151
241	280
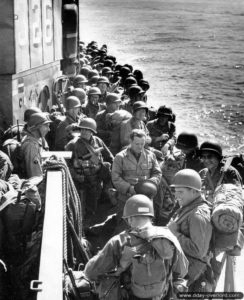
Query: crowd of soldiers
120	148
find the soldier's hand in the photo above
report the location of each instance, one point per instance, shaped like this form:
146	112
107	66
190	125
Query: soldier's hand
165	137
165	149
131	190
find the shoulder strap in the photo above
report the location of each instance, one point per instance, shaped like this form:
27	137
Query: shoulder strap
187	213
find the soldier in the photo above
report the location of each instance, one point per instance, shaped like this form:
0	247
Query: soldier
216	171
33	143
148	259
80	81
103	84
135	93
188	144
103	127
73	108
140	111
90	164
93	106
162	130
192	224
133	164
107	72
80	94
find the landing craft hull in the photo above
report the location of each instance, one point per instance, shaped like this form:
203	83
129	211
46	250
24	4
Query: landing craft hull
30	55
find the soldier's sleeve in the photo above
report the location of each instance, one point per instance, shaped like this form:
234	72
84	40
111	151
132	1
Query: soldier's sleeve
156	173
200	232
105	261
117	171
32	160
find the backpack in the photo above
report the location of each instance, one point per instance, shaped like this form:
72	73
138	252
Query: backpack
12	148
148	270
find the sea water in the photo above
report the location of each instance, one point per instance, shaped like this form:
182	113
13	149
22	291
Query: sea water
191	52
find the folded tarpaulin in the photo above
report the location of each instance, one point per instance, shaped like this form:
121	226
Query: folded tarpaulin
227	214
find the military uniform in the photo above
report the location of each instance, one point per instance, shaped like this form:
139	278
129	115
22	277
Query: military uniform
125	251
31	149
210	181
103	129
127	171
155	130
91	110
194	234
90	166
61	138
193	161
127	127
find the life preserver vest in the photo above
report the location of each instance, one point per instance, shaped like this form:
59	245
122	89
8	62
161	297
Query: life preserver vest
70	31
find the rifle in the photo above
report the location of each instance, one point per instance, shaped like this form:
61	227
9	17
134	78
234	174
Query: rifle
18	132
93	155
72	279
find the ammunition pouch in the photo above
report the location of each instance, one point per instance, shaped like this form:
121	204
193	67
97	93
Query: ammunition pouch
82	287
86	167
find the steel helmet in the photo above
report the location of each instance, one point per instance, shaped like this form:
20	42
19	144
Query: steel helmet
108	63
112	98
106	70
187	141
130	81
72	102
38	119
138	74
147	188
29	112
85	70
93	80
80	94
164	111
211	147
92	73
88	123
144	84
94	91
139	105
138	205
103	79
187	178
135	90
79	79
124	71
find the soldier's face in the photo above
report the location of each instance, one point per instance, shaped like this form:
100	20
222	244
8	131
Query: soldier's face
85	134
140	114
81	85
102	87
44	129
137	144
184	195
210	160
94	99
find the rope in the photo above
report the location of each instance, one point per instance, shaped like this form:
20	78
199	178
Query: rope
71	202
